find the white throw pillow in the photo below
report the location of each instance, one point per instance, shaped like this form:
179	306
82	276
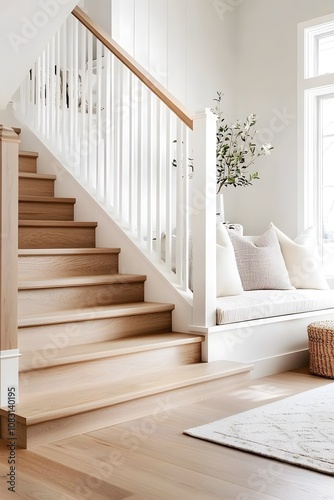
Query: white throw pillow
302	259
260	263
228	279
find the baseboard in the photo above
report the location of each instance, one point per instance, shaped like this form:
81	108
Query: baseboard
278	364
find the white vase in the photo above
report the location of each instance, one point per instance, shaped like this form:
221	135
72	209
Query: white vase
220	214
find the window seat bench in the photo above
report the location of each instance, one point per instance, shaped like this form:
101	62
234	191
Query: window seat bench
256	304
267	328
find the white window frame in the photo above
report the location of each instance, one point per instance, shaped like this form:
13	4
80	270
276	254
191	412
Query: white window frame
310	88
320	28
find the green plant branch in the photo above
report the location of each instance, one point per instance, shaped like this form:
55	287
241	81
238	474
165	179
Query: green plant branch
236	149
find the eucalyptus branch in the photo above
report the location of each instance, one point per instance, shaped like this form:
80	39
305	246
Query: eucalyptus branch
236	149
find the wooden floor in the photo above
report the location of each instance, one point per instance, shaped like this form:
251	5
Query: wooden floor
151	459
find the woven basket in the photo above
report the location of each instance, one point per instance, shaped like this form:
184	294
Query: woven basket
321	347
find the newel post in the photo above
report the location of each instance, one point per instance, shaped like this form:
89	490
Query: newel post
203	209
9	353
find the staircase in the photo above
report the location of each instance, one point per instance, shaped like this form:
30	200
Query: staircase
94	352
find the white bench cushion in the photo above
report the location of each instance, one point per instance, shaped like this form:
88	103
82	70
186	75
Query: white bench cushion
255	304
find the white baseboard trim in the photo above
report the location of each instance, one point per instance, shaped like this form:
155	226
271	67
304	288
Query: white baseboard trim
278	364
9	375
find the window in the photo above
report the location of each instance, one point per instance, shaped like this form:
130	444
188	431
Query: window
319	49
325	54
316	145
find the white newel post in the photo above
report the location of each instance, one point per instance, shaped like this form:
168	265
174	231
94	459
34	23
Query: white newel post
203	209
9	353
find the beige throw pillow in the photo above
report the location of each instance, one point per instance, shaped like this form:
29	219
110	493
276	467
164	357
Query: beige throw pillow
260	263
302	259
228	279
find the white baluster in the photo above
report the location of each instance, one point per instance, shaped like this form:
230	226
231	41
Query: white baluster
64	130
99	179
140	163
108	127
53	85
74	152
83	142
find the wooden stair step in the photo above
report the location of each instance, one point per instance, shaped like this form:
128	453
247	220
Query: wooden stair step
79	291
87	313
56	234
28	161
112	366
51	330
47	417
46	208
74	400
75	281
38	263
36	184
107	349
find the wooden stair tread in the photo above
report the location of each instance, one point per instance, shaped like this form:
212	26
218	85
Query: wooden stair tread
96	312
102	279
66	251
55	223
28	175
111	348
29	154
48	406
46	199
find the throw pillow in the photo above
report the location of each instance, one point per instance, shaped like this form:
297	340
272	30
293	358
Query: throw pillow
228	279
302	259
260	263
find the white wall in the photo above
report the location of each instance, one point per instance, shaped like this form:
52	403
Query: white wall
248	50
185	44
267	85
100	11
25	28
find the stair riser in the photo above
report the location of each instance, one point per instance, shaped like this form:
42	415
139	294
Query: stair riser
58	266
56	299
56	237
27	164
115	369
36	187
45	211
48	337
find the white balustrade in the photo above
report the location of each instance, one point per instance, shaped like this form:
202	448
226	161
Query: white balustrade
119	140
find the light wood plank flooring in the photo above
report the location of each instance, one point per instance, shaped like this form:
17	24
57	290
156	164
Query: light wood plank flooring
150	458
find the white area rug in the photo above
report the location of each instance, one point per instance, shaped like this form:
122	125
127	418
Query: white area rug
298	430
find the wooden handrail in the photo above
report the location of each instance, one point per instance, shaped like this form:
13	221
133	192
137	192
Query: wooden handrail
134	67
